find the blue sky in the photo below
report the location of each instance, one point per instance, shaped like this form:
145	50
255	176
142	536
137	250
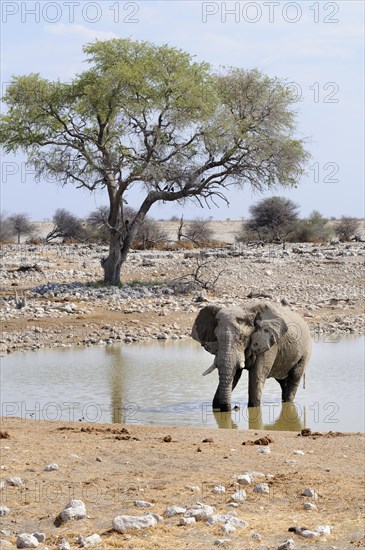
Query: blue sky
317	46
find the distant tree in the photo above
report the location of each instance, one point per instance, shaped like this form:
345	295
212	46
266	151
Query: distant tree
151	117
66	227
272	219
20	225
96	224
346	228
315	228
6	232
148	235
198	231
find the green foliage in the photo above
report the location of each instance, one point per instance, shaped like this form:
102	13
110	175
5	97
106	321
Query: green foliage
314	229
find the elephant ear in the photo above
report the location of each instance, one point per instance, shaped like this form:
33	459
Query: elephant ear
204	327
269	328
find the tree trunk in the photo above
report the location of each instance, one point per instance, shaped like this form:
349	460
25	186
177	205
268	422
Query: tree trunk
122	233
113	263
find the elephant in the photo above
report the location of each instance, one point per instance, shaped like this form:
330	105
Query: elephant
267	340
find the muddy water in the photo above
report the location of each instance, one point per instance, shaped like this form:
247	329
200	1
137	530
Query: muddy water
161	383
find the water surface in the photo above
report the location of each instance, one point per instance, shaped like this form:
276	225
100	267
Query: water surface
162	383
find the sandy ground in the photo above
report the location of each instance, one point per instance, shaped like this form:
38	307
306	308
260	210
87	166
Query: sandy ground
109	467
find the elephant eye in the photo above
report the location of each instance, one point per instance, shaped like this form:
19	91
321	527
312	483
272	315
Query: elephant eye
240	320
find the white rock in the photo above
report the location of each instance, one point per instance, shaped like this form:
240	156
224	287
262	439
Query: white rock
245	479
90	541
237	522
298	452
308	492
127	523
75	509
25	540
174	510
228	528
156	516
309	506
51	467
186	521
64	545
219	489
256	536
262	488
221	542
41	537
289	543
5	544
239	496
14	481
324	529
200	511
264	450
4	510
253	474
217	518
143	504
307	534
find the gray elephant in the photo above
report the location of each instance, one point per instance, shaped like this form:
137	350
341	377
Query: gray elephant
268	341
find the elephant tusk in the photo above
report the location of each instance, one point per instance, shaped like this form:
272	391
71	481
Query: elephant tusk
210	369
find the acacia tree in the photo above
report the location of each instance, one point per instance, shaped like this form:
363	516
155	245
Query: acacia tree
66	226
20	225
149	116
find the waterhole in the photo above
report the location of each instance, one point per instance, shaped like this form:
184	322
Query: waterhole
162	383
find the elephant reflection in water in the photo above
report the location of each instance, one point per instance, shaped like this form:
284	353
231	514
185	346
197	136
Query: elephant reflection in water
291	418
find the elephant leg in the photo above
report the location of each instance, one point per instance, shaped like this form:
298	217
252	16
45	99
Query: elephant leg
255	385
256	379
289	385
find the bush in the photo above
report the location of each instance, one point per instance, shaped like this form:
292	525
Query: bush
67	227
347	228
96	226
149	234
272	219
314	229
6	232
197	231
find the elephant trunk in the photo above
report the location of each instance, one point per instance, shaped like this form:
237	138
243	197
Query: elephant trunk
227	365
